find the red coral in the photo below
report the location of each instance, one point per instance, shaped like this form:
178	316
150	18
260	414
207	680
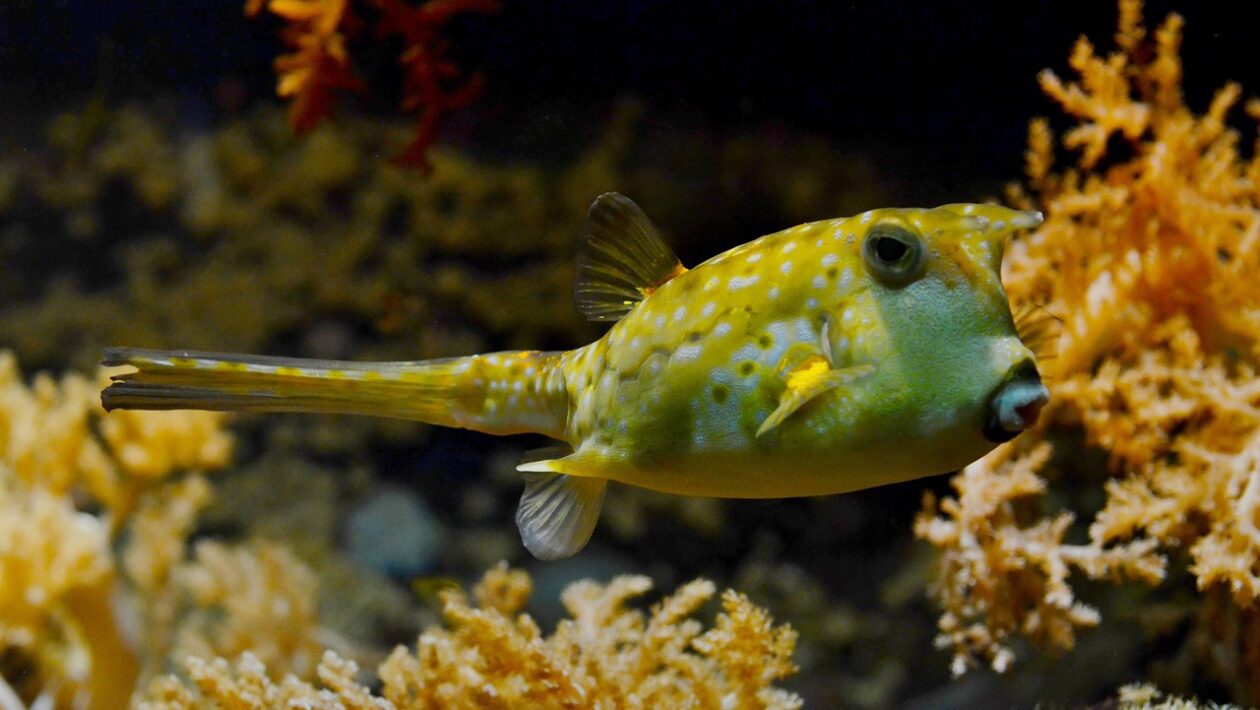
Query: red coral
319	65
431	83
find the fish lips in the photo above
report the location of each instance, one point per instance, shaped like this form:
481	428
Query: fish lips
1015	405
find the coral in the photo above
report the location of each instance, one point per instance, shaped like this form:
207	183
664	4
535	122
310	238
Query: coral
66	489
49	552
246	685
319	65
157	546
1148	254
1143	696
606	655
998	577
259	599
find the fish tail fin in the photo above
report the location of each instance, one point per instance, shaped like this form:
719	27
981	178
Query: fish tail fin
500	393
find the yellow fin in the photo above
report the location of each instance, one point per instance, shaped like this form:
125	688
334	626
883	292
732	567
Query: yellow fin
548	459
1039	329
622	260
557	513
810	378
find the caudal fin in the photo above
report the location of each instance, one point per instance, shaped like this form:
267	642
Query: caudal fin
178	379
448	392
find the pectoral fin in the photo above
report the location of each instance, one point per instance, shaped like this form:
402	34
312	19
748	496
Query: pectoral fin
810	378
558	512
1040	330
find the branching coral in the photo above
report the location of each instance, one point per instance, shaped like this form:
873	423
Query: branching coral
64	492
998	578
319	64
1150	258
258	600
606	655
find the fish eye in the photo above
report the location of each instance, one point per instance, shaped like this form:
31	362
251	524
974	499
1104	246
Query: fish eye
893	255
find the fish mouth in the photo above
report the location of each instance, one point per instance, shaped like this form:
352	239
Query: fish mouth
1016	404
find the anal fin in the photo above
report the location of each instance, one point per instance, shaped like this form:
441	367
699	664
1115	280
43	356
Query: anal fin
558	512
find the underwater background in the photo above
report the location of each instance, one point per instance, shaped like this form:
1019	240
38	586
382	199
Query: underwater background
155	192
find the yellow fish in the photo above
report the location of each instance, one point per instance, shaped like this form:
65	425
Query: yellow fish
824	358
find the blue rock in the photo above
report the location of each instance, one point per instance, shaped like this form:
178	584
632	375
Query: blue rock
394	532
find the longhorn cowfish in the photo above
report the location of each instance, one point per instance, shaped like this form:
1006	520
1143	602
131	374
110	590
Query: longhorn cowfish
825	358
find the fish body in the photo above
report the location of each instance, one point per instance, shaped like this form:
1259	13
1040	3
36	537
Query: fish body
673	397
825	358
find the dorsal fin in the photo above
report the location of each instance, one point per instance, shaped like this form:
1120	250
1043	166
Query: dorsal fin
622	260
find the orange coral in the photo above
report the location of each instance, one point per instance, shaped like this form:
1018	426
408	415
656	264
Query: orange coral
256	598
998	577
1152	261
606	655
69	476
319	65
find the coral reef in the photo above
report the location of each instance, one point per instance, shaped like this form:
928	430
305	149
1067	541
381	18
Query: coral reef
244	238
494	656
1148	254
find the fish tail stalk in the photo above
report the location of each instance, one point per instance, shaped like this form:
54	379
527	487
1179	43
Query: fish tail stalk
497	393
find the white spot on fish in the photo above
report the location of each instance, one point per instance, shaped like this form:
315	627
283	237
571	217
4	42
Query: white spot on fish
748	351
846	276
819	282
722	329
773	293
659	322
789	247
680	312
786	267
739	282
708	309
687	353
818	243
754	257
811	303
866	217
711	283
